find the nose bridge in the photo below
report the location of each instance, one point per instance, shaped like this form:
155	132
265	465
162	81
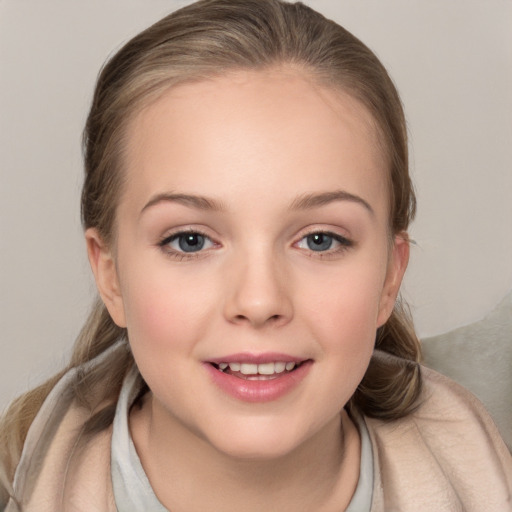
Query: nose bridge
258	292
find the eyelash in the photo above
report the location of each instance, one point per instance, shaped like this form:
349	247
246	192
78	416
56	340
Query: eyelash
344	245
183	255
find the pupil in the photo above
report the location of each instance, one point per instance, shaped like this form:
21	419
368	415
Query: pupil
191	242
319	242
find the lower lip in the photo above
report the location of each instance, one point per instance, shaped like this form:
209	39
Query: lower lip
259	390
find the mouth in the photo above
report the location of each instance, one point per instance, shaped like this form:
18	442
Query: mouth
258	371
258	378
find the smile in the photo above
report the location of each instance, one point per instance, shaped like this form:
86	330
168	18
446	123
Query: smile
252	371
258	378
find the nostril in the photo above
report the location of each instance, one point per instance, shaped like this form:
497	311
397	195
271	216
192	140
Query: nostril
270	319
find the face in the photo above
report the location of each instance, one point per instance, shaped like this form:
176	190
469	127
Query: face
253	261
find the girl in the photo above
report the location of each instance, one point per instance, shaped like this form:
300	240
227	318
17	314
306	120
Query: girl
245	206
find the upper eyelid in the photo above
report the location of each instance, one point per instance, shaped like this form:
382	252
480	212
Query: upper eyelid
339	238
165	239
345	243
184	231
164	245
326	231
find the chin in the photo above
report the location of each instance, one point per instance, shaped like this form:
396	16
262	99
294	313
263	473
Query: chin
244	449
258	439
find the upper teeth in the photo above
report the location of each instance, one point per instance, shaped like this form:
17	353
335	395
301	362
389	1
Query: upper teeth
261	369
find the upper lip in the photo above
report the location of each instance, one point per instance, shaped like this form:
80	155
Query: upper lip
246	357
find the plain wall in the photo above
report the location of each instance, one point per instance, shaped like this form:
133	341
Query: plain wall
450	60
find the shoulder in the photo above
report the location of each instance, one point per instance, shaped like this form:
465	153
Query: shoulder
75	476
65	464
449	413
447	455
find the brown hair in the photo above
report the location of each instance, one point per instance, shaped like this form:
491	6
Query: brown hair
202	40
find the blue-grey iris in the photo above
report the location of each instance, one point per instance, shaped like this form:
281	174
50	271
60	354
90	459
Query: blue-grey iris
191	242
319	242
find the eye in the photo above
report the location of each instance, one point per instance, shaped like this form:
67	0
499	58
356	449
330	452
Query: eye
186	242
323	242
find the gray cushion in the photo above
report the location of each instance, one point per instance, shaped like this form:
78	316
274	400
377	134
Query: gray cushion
479	356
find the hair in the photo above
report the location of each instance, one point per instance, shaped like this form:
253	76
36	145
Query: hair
201	41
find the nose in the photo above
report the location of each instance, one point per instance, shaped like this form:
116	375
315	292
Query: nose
258	293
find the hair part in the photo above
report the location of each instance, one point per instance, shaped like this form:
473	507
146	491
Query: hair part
203	40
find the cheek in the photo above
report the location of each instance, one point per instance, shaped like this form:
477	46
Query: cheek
343	318
346	335
165	311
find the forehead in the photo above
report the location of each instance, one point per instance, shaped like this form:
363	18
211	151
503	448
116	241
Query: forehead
254	129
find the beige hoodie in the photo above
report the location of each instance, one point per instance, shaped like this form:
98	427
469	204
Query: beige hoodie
446	457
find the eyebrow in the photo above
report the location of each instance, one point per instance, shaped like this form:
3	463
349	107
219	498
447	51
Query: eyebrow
308	201
303	202
192	201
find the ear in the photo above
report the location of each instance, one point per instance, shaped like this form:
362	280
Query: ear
397	264
104	269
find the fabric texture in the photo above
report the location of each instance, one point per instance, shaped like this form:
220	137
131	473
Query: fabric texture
447	456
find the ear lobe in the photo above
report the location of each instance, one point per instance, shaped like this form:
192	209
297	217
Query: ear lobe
399	258
105	274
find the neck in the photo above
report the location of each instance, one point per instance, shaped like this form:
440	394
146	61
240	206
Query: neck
320	474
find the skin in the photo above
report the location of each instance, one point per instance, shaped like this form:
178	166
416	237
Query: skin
255	143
